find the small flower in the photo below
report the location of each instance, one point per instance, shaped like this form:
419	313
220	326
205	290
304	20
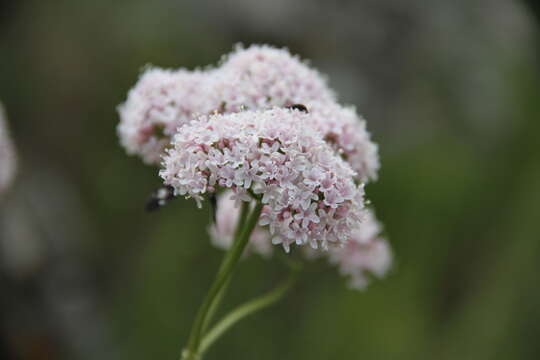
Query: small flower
160	102
8	158
269	154
222	231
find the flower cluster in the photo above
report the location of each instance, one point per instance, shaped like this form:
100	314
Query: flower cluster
8	160
256	78
240	127
309	193
365	252
161	101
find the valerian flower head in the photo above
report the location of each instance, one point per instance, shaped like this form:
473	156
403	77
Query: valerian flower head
262	76
222	231
8	158
160	102
309	193
346	132
254	78
365	252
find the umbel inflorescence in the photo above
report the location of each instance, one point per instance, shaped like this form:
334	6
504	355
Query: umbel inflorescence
264	126
263	137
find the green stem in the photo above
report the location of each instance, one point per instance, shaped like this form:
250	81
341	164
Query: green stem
245	310
226	269
215	305
244	210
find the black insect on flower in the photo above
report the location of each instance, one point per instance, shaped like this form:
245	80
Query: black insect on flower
160	198
299	107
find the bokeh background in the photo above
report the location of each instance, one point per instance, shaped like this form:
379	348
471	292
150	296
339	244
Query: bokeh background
451	93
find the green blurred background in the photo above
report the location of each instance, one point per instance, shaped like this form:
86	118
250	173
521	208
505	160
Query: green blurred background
451	93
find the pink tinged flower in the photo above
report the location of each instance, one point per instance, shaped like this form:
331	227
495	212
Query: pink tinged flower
279	176
308	216
239	195
8	158
222	231
160	102
332	198
364	253
313	177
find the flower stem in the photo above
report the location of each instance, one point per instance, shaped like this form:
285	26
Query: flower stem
227	267
244	210
245	310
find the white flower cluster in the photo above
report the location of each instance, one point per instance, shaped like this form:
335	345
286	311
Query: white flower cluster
161	101
256	78
8	159
365	252
263	125
309	192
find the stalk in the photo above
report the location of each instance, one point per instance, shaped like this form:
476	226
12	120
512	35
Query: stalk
226	269
244	210
245	310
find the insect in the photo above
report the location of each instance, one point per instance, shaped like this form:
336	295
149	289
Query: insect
160	198
299	107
